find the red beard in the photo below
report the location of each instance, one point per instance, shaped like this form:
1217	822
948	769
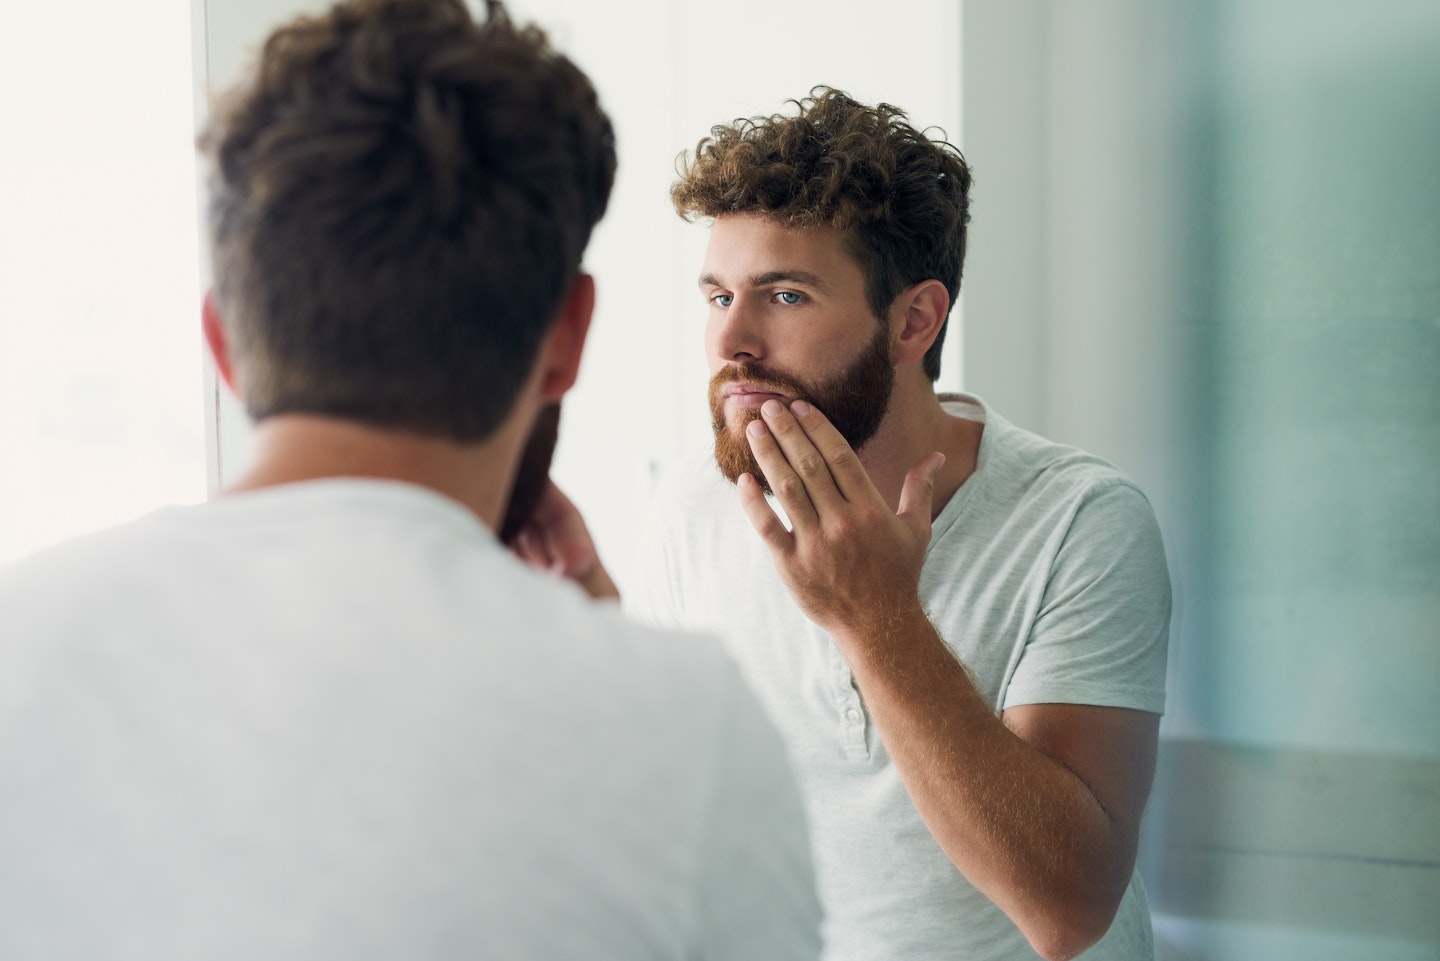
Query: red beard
855	401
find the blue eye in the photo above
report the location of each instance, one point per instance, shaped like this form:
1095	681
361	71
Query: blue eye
722	300
789	298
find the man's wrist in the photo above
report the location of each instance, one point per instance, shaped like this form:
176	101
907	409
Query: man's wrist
883	628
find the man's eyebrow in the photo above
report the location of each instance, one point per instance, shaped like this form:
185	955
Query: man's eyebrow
792	276
772	277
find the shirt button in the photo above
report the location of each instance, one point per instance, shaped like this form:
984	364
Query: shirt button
853	716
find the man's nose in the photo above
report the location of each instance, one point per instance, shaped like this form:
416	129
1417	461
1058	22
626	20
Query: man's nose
736	335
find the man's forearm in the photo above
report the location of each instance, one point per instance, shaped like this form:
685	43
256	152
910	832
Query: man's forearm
1019	824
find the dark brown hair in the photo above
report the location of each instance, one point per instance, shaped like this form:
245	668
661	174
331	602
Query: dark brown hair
399	200
901	198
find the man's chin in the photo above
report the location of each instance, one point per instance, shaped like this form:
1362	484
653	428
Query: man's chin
733	456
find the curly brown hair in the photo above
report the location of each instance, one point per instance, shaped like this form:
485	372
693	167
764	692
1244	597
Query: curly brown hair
399	200
901	199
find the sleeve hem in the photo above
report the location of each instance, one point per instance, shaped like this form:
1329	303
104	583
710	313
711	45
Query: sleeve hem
1138	699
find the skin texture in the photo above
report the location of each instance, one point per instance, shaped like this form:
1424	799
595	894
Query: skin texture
1038	807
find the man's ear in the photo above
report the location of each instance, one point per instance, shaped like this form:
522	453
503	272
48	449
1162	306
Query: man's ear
920	311
561	350
218	341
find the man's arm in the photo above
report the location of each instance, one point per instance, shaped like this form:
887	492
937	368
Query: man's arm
1039	808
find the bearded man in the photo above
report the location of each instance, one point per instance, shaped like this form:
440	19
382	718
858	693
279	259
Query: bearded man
959	627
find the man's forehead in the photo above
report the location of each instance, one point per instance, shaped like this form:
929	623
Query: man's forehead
759	251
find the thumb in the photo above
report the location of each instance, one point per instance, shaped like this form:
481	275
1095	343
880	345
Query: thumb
917	496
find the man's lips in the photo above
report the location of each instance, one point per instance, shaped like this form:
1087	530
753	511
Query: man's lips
745	395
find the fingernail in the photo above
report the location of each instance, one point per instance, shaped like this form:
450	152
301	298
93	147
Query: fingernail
756	428
799	408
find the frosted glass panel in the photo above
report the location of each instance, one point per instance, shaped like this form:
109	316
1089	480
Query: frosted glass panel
1207	247
1295	815
1318	194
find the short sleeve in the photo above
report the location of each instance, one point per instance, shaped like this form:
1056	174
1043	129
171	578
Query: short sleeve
1101	633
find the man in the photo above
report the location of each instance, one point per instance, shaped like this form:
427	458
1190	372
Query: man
959	627
329	715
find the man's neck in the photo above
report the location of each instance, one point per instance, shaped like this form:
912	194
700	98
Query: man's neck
916	425
298	447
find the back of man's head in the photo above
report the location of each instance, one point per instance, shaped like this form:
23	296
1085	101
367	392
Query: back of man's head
901	197
400	199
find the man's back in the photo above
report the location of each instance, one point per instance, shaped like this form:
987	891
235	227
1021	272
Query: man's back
337	719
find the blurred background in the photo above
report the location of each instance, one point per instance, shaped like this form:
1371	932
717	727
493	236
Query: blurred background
1206	245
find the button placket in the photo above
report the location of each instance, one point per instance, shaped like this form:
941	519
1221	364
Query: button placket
853	721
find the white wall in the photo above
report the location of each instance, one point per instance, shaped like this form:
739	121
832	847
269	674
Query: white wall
99	347
667	71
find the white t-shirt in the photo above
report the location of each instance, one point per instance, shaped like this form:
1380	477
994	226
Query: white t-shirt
1045	574
338	720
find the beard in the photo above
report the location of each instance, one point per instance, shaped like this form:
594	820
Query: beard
855	401
533	473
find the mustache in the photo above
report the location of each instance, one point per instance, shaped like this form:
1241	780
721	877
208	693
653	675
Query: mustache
757	375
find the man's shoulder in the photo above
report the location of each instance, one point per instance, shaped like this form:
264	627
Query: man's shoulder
233	532
117	550
1024	461
252	576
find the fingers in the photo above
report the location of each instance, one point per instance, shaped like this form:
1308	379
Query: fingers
554	507
535	548
800	473
917	496
799	495
762	518
813	469
555	539
843	466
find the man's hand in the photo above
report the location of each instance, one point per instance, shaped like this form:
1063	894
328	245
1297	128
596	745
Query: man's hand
849	561
556	539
